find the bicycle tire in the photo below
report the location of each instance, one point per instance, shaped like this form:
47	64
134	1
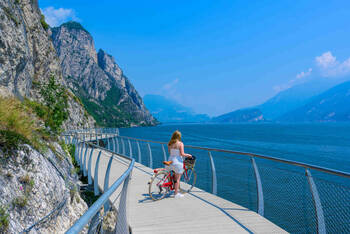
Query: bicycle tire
189	181
158	193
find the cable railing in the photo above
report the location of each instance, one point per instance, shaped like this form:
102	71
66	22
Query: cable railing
299	197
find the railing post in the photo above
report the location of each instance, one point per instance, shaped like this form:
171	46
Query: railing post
213	174
164	154
259	189
321	227
81	155
113	143
150	156
106	183
122	224
96	190
123	147
89	167
116	140
84	161
130	150
76	153
139	151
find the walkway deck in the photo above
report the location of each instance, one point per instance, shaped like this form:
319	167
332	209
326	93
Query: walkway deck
197	212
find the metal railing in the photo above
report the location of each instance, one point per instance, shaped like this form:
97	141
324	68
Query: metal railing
283	191
92	217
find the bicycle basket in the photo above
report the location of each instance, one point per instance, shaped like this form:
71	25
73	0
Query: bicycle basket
189	162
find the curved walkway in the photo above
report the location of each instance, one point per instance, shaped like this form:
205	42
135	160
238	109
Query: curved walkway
197	212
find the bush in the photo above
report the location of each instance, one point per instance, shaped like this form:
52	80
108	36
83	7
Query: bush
4	219
56	102
43	23
40	110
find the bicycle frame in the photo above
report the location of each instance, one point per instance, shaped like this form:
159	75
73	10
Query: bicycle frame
170	179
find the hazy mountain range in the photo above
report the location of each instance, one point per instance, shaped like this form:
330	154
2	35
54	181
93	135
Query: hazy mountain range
314	101
331	105
169	111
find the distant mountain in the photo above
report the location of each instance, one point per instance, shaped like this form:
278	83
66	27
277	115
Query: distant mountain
331	105
242	115
166	110
294	97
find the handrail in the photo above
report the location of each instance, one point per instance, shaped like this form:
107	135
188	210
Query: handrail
320	199
94	209
88	215
290	162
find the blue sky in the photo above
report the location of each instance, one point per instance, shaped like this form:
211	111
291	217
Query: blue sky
216	56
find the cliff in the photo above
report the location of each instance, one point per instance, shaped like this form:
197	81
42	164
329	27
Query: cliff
28	58
97	79
37	178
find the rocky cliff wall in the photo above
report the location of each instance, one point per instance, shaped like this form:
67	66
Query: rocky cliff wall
97	79
28	58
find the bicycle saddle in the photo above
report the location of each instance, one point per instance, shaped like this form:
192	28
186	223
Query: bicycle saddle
168	163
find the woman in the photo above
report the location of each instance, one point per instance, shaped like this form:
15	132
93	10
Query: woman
176	151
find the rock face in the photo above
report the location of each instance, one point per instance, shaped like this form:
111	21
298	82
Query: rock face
330	106
27	57
244	115
33	185
97	79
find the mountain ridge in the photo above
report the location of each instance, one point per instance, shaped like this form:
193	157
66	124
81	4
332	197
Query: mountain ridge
330	106
97	79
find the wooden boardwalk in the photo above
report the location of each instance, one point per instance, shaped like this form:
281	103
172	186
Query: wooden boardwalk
197	212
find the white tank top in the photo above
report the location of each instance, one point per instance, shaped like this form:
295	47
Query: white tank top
175	156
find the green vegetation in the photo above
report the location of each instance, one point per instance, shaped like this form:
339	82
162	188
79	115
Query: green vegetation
107	114
9	142
74	25
43	22
56	102
4	219
20	201
54	110
17	126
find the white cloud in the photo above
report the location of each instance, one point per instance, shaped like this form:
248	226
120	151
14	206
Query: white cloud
331	67
299	78
326	60
304	74
55	17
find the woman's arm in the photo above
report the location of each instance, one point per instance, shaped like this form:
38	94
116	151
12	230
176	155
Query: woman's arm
182	152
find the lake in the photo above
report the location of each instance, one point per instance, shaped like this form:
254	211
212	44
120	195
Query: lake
287	197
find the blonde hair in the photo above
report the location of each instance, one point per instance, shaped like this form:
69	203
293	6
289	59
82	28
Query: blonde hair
175	137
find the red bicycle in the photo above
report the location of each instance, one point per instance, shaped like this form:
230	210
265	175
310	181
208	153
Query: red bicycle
163	180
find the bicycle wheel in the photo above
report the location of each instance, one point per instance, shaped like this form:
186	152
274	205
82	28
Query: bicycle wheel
188	180
156	190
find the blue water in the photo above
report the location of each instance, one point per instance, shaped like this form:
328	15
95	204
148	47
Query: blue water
287	197
323	144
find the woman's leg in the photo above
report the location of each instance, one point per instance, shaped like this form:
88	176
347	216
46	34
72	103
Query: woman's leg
177	184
